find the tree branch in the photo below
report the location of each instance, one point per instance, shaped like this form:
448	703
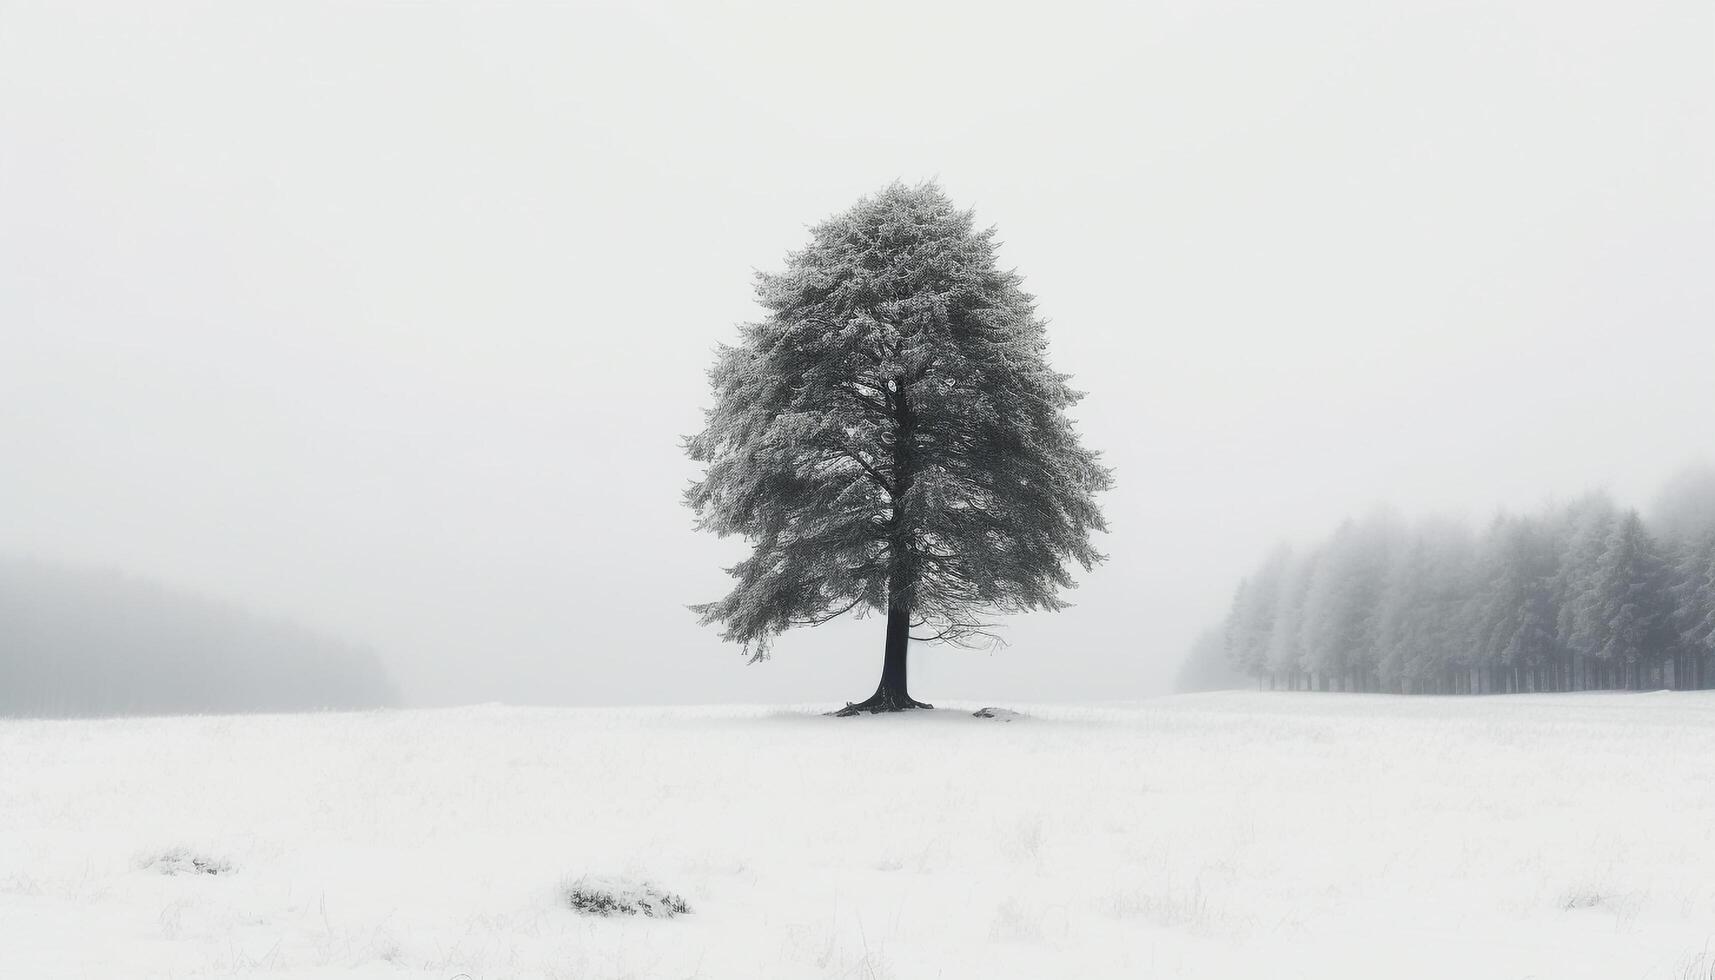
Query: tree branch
875	474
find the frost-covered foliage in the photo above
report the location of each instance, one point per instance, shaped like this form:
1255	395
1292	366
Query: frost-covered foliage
891	437
1584	596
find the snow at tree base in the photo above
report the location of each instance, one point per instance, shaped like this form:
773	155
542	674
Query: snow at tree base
1205	837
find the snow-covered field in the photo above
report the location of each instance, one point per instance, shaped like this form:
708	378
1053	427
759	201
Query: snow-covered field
1227	835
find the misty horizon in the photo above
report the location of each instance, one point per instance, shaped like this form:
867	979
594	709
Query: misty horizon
399	341
340	674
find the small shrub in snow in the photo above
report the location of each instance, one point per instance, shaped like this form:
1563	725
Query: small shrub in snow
593	895
183	861
999	714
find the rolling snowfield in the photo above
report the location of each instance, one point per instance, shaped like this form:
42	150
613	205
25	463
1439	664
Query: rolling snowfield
1221	836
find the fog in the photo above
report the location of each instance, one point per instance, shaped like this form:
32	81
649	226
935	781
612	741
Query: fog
389	319
73	642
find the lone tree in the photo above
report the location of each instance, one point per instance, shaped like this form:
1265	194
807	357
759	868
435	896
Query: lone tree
891	437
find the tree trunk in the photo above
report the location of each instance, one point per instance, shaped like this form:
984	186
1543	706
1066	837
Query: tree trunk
891	694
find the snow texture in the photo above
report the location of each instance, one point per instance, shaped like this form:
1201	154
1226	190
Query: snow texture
1202	836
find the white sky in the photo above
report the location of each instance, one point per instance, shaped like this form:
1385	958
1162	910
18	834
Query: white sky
389	317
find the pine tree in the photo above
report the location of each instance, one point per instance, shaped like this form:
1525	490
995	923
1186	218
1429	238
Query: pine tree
1333	609
1693	622
1515	616
1285	655
1629	599
891	438
1340	612
1449	612
1583	537
1397	622
1699	628
1422	622
1251	620
1237	629
1422	632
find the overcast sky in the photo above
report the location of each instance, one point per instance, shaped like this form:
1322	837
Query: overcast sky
390	317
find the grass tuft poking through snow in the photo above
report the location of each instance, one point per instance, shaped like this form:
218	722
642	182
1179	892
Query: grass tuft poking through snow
183	861
594	895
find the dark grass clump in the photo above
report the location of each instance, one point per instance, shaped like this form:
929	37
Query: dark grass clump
184	861
609	896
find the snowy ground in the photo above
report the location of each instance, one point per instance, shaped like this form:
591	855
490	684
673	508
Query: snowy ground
1221	836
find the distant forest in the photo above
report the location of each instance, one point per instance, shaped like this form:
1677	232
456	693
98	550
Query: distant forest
1584	596
77	643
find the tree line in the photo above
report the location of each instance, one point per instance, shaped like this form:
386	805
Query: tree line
1581	596
82	642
